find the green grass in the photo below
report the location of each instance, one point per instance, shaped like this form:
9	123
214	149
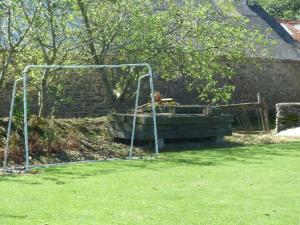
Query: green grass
237	185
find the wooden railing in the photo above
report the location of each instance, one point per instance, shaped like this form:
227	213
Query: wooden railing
241	116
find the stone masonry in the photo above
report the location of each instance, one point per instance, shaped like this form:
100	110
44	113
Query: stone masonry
276	80
288	116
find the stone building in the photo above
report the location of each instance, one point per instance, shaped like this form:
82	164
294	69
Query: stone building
275	75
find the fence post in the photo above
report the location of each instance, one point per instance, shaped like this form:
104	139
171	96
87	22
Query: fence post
263	111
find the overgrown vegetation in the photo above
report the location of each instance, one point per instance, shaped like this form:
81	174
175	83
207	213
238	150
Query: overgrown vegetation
63	140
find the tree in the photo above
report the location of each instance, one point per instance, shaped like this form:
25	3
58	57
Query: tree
178	40
54	44
281	9
15	31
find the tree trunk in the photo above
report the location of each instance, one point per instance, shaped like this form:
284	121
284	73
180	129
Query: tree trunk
108	92
5	67
43	94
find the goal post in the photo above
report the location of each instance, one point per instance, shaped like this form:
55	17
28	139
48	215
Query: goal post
11	111
24	78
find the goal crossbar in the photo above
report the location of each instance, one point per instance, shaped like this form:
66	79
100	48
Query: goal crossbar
25	74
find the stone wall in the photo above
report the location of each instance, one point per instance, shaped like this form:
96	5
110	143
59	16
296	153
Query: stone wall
277	81
86	97
288	116
84	94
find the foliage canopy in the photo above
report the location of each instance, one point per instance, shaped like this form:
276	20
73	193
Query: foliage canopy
281	9
181	41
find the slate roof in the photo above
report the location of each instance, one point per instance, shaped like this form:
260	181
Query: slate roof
286	47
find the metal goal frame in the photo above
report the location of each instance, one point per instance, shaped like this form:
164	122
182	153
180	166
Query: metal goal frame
25	74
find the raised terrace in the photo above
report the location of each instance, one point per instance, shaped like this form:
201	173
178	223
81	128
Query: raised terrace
181	122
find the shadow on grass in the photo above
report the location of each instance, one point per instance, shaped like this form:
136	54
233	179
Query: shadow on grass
12	216
217	155
198	146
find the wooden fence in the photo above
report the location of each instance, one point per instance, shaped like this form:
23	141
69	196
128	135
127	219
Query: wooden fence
241	115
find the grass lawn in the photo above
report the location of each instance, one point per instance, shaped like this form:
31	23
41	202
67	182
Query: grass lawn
258	184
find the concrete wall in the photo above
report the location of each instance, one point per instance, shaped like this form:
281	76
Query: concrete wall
277	81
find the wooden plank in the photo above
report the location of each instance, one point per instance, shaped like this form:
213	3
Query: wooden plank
253	105
146	127
189	109
168	118
192	124
173	134
266	115
263	122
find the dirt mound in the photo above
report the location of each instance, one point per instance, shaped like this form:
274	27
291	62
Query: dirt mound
63	140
